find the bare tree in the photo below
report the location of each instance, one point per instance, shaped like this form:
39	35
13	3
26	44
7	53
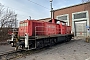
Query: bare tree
8	18
1	10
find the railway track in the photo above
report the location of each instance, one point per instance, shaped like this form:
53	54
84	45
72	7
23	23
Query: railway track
11	55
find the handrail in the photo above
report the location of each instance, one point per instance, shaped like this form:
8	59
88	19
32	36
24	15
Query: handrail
45	31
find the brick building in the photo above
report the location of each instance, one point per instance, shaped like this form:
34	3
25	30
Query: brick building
77	16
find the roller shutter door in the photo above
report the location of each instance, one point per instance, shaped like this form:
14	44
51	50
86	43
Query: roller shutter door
80	28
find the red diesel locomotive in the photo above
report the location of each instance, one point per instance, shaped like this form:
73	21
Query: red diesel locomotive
33	34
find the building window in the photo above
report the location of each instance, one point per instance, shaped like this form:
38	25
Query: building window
80	15
62	17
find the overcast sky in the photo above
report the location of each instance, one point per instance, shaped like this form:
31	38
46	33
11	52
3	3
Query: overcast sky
37	9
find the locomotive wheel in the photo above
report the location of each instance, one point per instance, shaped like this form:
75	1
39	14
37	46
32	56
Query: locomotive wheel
51	42
68	38
40	44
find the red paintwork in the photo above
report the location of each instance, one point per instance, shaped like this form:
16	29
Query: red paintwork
30	29
50	28
58	29
23	29
38	28
68	29
63	28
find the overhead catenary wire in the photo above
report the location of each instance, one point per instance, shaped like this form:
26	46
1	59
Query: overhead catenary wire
39	4
14	9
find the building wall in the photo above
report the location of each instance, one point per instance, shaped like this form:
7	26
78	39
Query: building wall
85	7
72	9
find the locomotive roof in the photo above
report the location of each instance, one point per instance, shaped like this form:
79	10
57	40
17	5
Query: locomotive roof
57	20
